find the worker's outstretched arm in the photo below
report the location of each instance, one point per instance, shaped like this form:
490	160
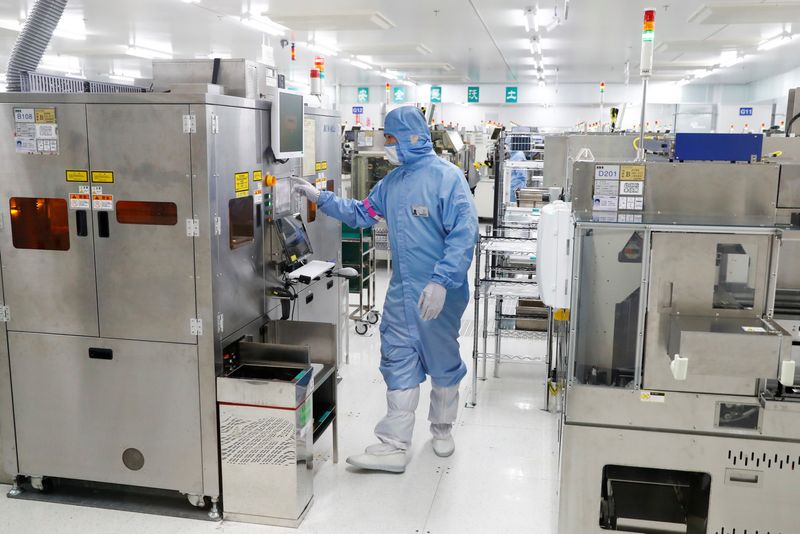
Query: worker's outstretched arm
461	224
354	213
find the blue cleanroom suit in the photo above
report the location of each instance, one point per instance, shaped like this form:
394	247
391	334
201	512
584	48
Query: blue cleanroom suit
518	177
433	227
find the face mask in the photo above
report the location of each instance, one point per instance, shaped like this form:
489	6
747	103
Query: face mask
391	154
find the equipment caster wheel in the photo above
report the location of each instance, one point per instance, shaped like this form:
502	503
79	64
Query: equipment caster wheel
373	317
361	328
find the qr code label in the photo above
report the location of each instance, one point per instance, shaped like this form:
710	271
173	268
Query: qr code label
631	188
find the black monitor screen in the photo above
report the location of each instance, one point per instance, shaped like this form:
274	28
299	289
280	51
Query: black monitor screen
495	134
350	136
291	122
294	237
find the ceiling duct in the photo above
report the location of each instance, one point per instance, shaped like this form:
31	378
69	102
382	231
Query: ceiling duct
33	40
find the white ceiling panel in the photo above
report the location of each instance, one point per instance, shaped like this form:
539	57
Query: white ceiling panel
747	13
433	40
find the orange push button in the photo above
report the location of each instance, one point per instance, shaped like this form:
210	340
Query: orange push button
270	180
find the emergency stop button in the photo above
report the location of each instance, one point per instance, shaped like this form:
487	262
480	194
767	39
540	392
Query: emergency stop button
270	180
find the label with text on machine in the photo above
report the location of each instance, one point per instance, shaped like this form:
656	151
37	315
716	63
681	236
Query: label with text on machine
631	187
82	200
35	131
606	188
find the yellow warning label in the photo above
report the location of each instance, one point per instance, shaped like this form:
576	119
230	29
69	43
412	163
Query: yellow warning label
77	176
241	181
321	166
242	194
103	177
257	176
561	314
45	115
293	257
631	172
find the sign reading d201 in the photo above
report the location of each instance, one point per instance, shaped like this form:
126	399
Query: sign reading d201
473	94
363	95
511	95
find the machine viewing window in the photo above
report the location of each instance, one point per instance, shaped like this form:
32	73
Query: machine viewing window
39	223
137	212
734	287
241	221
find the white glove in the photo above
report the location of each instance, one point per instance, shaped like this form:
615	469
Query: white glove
431	301
302	188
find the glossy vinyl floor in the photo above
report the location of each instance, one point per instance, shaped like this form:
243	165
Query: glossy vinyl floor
502	477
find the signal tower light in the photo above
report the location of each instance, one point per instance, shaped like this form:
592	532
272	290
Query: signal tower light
648	36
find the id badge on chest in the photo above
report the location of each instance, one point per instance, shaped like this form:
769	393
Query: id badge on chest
420	211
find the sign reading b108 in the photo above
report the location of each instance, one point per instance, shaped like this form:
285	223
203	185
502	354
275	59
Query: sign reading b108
23	115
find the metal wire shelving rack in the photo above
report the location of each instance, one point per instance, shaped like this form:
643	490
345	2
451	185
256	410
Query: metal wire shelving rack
505	273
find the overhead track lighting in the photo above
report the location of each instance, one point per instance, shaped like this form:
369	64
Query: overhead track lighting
147	53
360	64
779	40
264	24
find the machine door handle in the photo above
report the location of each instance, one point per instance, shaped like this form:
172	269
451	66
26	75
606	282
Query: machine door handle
81	223
101	354
102	224
309	298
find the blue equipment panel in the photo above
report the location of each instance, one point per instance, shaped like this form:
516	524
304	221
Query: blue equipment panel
718	147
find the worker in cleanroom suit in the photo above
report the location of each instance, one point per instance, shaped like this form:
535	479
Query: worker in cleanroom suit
518	176
433	228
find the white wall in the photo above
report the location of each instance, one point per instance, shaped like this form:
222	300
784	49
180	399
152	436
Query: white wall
569	106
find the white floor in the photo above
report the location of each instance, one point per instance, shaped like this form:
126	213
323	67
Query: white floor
501	479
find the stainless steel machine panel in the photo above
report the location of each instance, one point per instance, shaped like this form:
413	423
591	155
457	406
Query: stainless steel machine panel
695	189
138	256
64	278
239	285
107	410
789	190
686	278
327	148
8	444
561	151
754	483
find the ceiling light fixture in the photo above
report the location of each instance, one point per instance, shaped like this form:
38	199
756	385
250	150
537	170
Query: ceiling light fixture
326	50
536	45
529	19
781	39
263	24
359	64
147	53
535	16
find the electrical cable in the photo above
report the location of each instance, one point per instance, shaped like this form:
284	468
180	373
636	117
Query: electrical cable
790	123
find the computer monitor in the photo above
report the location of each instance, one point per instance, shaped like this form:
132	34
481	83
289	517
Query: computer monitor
495	134
287	124
294	238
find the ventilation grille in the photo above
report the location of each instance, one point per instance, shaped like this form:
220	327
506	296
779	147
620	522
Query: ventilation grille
36	82
762	460
729	530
